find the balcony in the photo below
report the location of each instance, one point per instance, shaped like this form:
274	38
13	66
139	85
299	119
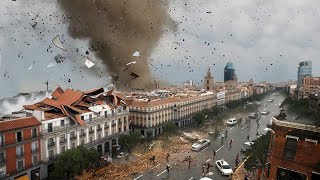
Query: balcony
99	129
113	124
91	131
19	169
34	151
50	144
73	137
21	155
83	134
62	141
106	127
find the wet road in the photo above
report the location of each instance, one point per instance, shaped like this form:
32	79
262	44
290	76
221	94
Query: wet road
239	133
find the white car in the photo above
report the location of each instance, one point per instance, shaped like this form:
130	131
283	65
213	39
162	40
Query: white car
224	167
122	155
205	178
201	144
246	146
270	100
265	111
232	121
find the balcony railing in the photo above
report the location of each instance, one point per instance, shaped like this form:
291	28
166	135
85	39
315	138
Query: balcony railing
34	151
21	155
82	134
20	169
106	127
62	141
91	131
99	129
113	124
103	139
50	144
73	137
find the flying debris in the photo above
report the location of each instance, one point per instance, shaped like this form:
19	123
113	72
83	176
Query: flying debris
30	67
89	63
57	42
115	77
136	54
51	64
59	58
134	75
133	62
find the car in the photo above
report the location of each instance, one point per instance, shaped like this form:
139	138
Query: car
265	111
270	100
232	121
201	144
224	167
253	115
266	130
205	178
122	155
246	146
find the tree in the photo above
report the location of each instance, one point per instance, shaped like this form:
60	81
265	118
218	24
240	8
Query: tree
129	141
198	118
169	129
73	162
257	154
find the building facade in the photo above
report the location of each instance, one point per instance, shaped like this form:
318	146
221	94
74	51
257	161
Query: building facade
229	72
208	81
93	119
148	116
310	85
20	148
294	151
304	69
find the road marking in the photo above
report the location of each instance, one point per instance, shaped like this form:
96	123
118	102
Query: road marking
138	177
191	178
232	128
219	148
244	126
155	166
205	148
163	172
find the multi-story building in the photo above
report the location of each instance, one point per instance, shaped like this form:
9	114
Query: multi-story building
229	72
304	69
20	148
221	98
71	118
232	96
294	150
148	116
310	85
208	81
314	102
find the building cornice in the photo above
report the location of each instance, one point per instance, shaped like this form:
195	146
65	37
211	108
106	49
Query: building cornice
288	124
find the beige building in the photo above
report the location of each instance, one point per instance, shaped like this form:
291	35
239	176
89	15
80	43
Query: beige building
148	116
310	85
208	81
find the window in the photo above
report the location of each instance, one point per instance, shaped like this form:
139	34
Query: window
62	149
90	139
50	129
99	136
34	132
51	155
20	166
73	145
290	148
34	146
35	159
19	136
72	135
2	158
62	123
82	142
90	117
63	138
19	151
50	142
82	117
105	114
1	140
82	131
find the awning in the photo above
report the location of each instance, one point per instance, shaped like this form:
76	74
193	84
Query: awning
24	177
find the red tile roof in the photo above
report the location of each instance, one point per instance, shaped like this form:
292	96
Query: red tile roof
14	124
57	92
70	96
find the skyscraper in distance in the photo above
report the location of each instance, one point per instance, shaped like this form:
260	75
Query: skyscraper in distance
304	69
229	72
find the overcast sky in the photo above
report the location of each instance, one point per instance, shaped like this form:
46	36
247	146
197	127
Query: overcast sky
264	39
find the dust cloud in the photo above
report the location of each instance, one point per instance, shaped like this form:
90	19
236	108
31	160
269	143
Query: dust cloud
118	28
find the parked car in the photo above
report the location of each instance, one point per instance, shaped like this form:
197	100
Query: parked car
265	111
253	115
270	100
232	121
224	167
205	178
122	155
201	144
246	146
269	125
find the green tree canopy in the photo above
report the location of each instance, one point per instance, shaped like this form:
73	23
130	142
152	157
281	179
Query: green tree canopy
199	118
169	129
73	162
129	141
257	154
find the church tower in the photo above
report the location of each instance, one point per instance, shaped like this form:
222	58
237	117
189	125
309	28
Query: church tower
208	81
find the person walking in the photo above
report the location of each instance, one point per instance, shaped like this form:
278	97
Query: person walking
167	157
168	168
214	153
203	170
222	136
230	142
248	137
226	132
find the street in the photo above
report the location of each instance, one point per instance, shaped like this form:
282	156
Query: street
179	170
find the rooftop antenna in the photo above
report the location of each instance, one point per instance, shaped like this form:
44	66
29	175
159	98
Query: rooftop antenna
47	83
